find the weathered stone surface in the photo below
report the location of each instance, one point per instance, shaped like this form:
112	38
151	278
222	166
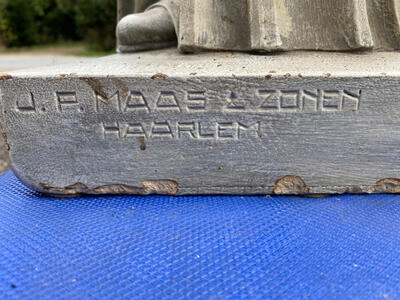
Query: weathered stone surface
4	161
255	25
160	122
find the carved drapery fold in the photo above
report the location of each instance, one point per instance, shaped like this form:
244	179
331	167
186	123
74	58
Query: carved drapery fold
270	25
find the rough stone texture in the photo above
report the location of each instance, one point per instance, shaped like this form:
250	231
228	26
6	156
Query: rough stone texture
4	160
292	185
18	61
160	122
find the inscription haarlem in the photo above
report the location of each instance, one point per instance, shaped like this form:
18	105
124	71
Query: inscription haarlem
167	106
188	129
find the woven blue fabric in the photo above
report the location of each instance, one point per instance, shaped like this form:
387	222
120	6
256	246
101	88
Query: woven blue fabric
197	247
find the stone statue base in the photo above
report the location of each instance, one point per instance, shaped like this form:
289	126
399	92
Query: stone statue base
213	123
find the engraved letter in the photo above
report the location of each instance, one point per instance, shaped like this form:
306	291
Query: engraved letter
225	131
161	129
186	127
331	100
102	101
135	129
271	100
233	103
255	126
29	107
310	100
197	100
135	101
289	100
203	135
111	129
351	100
67	101
167	101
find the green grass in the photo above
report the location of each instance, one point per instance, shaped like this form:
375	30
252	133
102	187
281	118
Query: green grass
61	48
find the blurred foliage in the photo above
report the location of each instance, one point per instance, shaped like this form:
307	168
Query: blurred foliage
38	22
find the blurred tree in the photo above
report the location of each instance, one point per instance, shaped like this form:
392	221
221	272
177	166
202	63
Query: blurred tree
97	19
34	22
17	22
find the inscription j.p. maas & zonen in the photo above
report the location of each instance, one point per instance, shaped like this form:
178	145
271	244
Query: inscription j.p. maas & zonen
171	110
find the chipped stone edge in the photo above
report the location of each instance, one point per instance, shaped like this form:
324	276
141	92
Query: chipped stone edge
295	186
289	185
158	187
386	185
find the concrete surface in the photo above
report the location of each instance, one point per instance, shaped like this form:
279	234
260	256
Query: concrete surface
11	62
212	123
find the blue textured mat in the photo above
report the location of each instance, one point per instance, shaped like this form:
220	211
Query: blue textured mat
197	247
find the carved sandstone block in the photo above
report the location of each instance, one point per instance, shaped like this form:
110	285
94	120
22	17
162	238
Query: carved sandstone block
159	122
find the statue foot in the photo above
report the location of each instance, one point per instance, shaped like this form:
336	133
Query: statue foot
152	29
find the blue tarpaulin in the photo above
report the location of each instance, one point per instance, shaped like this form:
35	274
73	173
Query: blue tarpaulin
207	247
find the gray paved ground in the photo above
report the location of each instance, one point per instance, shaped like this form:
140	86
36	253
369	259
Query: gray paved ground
10	62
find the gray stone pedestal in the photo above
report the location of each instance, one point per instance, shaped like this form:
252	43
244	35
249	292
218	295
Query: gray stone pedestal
216	123
4	161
